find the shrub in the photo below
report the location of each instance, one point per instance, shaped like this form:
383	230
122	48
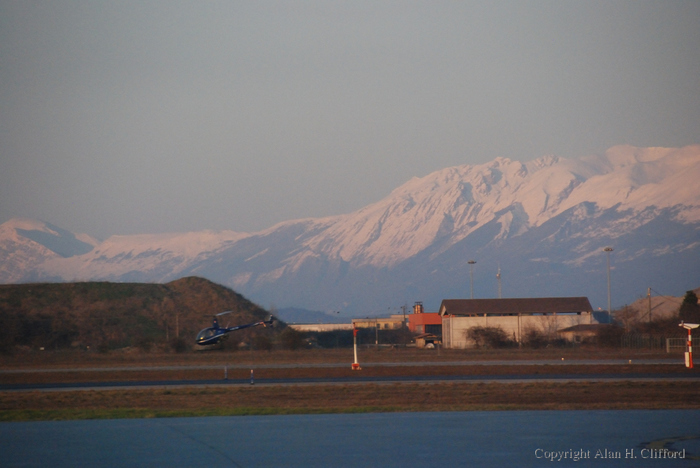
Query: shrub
291	339
178	345
489	337
333	339
144	343
262	342
534	339
610	335
398	336
230	342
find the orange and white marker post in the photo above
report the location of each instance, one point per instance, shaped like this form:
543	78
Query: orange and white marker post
689	345
355	365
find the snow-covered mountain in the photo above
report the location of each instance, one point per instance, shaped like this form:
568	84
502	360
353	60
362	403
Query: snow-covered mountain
27	244
543	223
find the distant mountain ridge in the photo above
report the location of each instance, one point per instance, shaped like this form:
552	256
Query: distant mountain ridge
544	223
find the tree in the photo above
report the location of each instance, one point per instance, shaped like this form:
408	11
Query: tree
291	339
627	316
690	310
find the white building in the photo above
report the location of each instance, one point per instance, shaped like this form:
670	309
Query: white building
515	316
320	327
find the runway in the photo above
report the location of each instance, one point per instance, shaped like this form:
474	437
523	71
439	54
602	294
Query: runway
633	438
539	362
201	375
356	380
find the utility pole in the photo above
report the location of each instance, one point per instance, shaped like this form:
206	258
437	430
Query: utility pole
607	250
376	333
471	277
498	277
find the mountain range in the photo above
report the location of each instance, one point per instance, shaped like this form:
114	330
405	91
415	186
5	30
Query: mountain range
540	225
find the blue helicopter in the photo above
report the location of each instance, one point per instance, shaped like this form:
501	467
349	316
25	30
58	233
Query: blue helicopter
214	334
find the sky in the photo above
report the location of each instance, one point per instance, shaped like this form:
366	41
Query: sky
148	116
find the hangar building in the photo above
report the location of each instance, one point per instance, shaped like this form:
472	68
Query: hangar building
515	316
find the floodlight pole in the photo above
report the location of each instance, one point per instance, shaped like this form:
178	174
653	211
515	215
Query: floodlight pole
689	345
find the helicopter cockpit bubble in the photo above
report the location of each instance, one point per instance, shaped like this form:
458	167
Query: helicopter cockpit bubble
206	333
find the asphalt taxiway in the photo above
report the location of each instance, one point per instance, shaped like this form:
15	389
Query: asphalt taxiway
629	438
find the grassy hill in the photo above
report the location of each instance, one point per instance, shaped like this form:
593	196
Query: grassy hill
106	316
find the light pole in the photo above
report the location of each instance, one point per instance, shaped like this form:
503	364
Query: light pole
498	277
607	250
471	277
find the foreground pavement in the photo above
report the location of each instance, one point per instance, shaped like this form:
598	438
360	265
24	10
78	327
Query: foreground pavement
539	362
635	438
516	378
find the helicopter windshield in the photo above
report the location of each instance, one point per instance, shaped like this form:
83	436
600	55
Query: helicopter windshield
205	334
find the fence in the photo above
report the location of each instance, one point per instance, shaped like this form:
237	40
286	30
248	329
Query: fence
675	343
634	341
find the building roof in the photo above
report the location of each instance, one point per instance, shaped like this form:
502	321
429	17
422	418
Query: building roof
525	306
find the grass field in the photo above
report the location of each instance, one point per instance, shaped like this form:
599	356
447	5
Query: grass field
334	398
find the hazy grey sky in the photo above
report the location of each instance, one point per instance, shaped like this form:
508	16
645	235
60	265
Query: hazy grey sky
122	117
